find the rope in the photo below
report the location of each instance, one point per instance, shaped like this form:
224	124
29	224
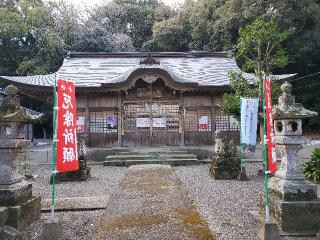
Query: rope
308	76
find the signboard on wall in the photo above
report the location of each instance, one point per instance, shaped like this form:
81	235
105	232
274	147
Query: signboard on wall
112	122
159	122
203	122
147	92
143	122
81	126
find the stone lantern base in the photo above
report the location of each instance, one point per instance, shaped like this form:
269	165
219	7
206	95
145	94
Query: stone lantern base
294	205
16	194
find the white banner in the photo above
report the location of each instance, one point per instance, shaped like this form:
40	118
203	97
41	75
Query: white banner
249	121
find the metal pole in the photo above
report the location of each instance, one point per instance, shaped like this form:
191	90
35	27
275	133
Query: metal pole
54	153
265	150
241	145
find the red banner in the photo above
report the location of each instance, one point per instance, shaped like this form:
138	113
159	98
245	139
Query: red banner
272	158
67	153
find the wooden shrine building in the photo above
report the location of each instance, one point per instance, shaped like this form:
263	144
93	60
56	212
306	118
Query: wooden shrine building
141	99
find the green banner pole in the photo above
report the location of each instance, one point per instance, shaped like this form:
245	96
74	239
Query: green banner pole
265	150
241	145
54	149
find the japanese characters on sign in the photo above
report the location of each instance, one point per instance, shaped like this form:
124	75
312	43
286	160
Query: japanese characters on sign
249	122
81	126
272	159
203	123
67	154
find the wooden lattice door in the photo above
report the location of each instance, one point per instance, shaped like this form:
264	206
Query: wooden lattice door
151	123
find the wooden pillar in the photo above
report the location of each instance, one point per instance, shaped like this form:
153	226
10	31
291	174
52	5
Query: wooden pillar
119	118
213	118
182	112
88	119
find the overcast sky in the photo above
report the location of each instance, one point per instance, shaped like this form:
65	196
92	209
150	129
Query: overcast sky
89	3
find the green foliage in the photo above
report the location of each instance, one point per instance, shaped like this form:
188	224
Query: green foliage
305	94
260	46
240	88
311	169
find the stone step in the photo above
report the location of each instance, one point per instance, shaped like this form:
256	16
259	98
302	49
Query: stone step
184	156
165	152
172	162
3	216
131	157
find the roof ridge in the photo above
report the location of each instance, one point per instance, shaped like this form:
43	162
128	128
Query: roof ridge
192	54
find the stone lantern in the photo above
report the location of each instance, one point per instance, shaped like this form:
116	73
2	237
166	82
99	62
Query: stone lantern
293	200
15	193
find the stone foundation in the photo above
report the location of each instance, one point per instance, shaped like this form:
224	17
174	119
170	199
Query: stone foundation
300	217
80	175
22	215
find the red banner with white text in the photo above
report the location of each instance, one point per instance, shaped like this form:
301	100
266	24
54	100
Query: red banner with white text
67	153
272	159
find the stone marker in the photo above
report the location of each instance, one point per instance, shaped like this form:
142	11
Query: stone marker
84	171
15	193
226	162
293	201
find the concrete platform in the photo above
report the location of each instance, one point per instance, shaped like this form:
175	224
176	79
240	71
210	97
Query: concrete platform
150	203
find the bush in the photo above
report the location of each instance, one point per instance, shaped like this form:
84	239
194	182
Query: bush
311	169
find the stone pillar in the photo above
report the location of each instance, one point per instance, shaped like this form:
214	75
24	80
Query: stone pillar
293	201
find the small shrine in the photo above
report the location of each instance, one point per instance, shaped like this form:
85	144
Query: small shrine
19	207
293	200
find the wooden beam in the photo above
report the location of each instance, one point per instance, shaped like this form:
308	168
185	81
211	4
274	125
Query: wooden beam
119	118
213	119
182	111
88	119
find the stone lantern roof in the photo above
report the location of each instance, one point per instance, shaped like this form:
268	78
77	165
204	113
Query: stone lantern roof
287	107
11	111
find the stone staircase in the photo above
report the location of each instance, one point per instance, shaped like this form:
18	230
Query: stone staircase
168	157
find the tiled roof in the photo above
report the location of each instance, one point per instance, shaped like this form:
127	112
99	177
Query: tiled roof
95	69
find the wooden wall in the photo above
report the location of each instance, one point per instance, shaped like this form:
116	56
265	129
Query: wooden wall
193	102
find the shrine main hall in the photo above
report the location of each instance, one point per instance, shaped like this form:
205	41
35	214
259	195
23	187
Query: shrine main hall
145	99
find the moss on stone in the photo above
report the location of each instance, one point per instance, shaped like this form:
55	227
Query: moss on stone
193	221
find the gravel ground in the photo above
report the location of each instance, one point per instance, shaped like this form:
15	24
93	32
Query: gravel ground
75	225
103	180
225	204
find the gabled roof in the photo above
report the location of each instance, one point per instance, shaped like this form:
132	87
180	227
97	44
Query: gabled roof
96	69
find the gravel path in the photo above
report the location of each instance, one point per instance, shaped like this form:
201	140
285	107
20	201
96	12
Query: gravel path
225	204
103	180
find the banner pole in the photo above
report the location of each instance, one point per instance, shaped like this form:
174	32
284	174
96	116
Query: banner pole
54	153
265	151
241	145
